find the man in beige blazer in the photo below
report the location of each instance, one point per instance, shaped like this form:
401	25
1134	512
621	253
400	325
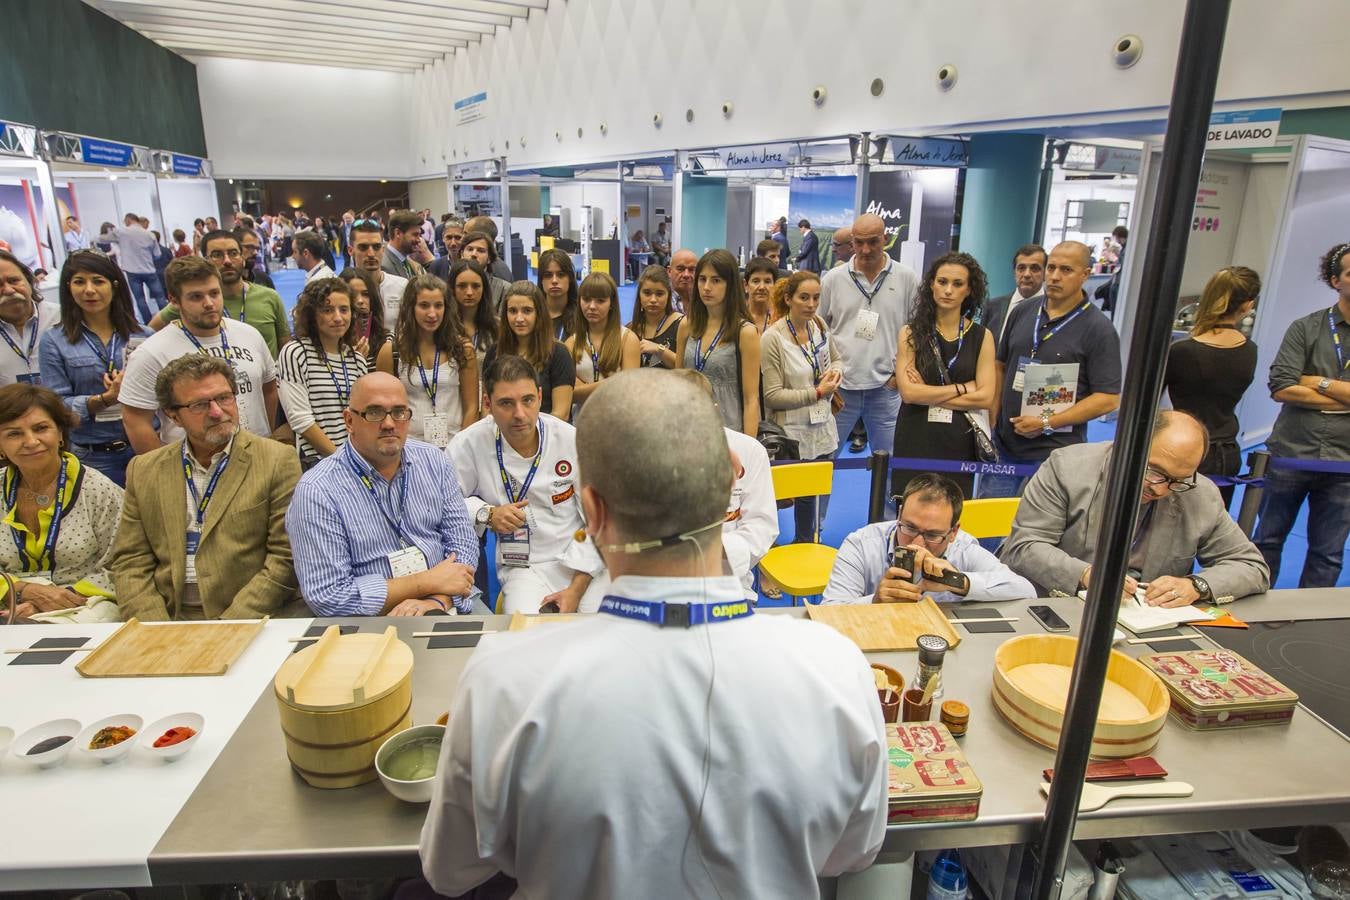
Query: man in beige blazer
1181	519
212	546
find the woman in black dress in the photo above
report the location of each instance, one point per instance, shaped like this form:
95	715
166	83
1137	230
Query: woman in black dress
655	320
944	369
1208	372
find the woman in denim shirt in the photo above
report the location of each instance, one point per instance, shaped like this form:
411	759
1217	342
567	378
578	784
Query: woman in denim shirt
82	361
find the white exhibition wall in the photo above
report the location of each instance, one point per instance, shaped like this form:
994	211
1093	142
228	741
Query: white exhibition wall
280	120
183	200
430	193
582	63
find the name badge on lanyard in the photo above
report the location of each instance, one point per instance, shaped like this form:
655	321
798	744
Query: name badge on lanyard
409	558
192	540
30	377
515	547
865	325
110	360
45	564
435	426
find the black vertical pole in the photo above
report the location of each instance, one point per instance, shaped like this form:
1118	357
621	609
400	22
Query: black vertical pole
1197	72
879	467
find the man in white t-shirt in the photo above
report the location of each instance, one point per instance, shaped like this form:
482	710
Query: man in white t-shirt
367	248
536	519
194	288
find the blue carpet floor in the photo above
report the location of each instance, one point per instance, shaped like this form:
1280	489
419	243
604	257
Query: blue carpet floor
848	503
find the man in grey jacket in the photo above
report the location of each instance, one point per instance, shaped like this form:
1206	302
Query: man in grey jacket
1181	519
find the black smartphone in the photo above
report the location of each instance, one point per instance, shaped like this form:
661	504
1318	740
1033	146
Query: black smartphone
1048	618
903	558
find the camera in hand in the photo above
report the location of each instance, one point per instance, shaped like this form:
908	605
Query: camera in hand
903	558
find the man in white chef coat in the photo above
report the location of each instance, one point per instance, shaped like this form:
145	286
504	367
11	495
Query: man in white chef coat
677	744
517	469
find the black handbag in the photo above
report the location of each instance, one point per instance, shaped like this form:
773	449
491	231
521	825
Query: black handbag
779	446
985	451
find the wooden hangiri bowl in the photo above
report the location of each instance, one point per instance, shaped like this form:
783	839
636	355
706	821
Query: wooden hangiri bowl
1031	686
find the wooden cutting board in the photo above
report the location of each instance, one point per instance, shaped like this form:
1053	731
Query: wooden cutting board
149	649
886	626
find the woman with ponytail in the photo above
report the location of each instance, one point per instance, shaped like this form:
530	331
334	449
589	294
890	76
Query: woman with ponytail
1209	371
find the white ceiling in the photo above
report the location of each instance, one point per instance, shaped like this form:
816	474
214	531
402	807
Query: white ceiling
390	35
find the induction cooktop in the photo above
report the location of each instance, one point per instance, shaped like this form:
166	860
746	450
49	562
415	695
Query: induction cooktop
1309	657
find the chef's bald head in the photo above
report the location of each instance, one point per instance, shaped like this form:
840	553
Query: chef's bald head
651	446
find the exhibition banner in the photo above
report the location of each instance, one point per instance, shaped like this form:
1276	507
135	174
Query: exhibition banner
1243	128
105	153
826	201
187	165
471	108
919	209
929	152
764	156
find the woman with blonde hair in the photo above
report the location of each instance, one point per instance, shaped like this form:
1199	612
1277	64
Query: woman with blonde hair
1210	370
599	344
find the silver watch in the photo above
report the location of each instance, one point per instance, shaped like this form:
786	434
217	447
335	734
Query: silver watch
481	517
1324	385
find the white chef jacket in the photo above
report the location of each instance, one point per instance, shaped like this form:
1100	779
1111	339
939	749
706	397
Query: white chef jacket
866	554
752	515
574	758
554	510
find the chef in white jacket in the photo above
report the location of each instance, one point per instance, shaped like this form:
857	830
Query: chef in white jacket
518	472
678	744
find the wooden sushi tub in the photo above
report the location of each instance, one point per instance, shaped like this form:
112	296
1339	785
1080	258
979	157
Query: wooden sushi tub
339	699
1031	687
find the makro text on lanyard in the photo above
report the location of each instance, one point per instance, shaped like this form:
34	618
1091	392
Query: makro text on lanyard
202	501
871	295
224	342
675	615
402	497
432	388
960	340
345	389
701	359
1335	342
48	553
512	496
109	358
809	350
32	342
243	304
1036	338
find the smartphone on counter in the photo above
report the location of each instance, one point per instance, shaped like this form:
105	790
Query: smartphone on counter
1049	619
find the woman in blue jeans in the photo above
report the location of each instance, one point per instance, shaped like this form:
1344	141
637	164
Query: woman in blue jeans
83	359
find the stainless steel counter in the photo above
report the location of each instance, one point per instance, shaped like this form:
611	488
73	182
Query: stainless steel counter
251	818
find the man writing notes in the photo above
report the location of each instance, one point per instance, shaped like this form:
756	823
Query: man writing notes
379	527
678	671
1181	519
929	525
518	472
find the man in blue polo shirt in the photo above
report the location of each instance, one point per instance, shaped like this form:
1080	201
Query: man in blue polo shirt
1043	340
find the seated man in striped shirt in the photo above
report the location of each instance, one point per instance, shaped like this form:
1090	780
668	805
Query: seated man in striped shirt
380	527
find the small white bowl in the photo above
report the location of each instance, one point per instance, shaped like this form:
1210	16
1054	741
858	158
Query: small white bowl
419	790
6	737
33	736
116	751
155	730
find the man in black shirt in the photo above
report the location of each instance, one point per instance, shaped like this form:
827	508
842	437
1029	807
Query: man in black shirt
1063	329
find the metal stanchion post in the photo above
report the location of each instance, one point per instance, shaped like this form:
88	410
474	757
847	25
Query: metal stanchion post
1257	462
879	466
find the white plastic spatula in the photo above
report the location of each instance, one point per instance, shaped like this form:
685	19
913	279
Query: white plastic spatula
1095	796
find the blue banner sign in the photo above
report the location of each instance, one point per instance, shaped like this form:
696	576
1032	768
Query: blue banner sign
187	165
105	153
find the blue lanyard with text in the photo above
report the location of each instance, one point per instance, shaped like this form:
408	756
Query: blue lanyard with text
402	497
681	615
243	304
1036	338
203	500
48	554
109	358
1335	341
32	342
701	361
869	295
433	387
810	350
224	342
595	357
960	339
511	496
344	391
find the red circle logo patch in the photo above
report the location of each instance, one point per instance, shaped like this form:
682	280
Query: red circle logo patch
563	468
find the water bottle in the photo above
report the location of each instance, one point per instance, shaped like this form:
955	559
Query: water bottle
947	881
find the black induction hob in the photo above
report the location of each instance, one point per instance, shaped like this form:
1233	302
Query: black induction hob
1310	657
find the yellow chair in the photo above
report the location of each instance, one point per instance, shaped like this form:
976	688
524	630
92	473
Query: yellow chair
801	570
989	518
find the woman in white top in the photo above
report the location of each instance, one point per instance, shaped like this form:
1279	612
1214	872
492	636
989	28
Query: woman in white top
801	371
435	362
60	515
469	284
600	345
316	370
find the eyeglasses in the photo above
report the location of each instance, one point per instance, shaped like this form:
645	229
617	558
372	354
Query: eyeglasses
376	414
929	537
199	407
1175	485
224	254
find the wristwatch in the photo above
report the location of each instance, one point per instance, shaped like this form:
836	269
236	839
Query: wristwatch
1324	385
1201	588
481	517
1045	422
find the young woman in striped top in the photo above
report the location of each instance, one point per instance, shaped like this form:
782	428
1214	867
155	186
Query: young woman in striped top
316	370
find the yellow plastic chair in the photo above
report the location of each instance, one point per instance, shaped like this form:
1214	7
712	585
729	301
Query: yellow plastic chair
990	518
801	570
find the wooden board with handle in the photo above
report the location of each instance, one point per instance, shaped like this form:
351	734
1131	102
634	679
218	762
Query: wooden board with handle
886	626
170	649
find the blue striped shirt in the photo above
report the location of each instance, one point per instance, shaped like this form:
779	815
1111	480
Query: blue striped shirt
341	541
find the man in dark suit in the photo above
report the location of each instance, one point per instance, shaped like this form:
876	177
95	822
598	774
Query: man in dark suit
1029	272
808	258
779	237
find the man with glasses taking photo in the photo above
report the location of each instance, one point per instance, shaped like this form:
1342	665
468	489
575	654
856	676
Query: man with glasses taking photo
900	561
1182	519
380	528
